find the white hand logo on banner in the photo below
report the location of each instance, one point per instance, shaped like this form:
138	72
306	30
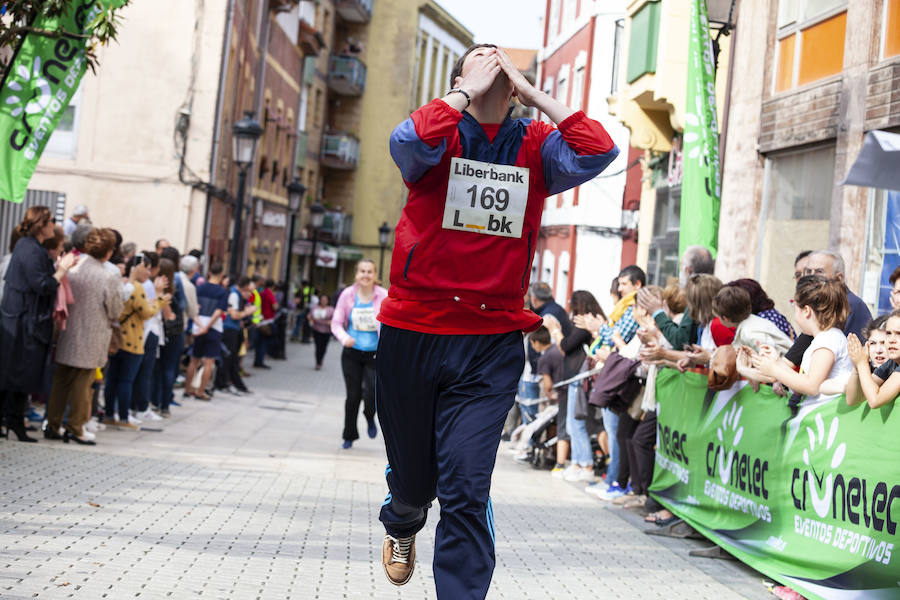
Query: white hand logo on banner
823	503
730	423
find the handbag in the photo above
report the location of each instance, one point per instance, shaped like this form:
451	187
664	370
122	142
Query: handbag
723	371
115	340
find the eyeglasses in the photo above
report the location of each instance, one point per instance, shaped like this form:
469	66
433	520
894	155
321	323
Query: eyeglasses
819	271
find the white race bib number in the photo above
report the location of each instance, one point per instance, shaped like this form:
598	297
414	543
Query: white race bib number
486	198
363	319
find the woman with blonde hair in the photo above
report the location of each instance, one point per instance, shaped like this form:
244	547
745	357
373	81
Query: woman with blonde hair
26	316
354	324
124	364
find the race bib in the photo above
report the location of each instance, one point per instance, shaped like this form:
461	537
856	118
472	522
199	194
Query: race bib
486	198
363	319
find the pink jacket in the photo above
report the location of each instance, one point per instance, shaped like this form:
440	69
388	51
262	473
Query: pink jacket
344	306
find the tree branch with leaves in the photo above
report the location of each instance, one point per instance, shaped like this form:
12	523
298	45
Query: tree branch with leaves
18	18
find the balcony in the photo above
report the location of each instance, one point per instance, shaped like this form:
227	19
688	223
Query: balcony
347	76
340	151
354	11
309	39
336	227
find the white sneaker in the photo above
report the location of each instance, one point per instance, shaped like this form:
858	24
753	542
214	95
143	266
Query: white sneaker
570	472
87	435
133	421
90	426
579	474
149	415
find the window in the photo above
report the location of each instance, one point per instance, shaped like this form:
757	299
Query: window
662	261
642	47
420	68
569	7
317	109
547	89
577	89
891	40
882	249
618	36
810	43
64	140
800	184
553	20
562	279
562	88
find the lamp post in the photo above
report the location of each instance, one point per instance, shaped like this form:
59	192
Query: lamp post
295	191
244	136
316	218
383	233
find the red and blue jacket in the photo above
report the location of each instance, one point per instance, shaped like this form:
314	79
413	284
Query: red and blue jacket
452	282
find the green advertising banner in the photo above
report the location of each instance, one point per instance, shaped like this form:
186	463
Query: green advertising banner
42	78
701	179
811	498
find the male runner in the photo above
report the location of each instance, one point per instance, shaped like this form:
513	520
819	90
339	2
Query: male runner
451	349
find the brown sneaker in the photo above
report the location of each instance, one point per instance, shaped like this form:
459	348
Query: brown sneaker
125	426
398	555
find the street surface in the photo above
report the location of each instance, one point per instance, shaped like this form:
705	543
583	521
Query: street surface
252	497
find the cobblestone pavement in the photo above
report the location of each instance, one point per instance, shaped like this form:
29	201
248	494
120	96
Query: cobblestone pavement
251	497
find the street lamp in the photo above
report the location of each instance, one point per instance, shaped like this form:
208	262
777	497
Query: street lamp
383	232
295	191
316	218
244	136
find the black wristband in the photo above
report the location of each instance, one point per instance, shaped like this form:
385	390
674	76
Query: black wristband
464	93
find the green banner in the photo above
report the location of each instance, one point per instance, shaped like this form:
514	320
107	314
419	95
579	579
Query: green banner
809	497
42	78
701	180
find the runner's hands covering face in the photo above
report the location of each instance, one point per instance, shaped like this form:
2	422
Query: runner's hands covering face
482	70
521	86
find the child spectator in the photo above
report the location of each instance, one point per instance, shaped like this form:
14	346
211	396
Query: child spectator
882	386
820	309
733	307
876	341
551	366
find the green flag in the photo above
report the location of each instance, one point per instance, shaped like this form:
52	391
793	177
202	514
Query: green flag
701	182
42	78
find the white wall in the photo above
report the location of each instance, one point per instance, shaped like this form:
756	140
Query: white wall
124	167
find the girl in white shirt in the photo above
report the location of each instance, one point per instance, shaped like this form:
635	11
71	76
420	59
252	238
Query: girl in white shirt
820	309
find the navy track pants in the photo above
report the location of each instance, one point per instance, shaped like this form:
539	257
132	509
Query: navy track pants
442	401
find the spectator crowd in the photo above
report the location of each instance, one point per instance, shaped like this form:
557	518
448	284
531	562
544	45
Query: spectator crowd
587	401
97	334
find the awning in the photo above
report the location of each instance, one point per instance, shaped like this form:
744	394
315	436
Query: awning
878	163
349	253
304	248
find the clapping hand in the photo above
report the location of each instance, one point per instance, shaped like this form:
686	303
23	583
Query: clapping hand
649	301
552	323
856	350
590	323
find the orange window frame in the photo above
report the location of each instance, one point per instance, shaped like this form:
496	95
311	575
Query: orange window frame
811	53
892	28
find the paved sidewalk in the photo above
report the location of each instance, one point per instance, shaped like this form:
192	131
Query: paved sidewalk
252	497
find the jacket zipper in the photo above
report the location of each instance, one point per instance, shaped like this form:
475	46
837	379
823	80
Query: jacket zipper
527	262
409	260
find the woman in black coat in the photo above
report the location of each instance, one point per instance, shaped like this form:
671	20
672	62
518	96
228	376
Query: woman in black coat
26	316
